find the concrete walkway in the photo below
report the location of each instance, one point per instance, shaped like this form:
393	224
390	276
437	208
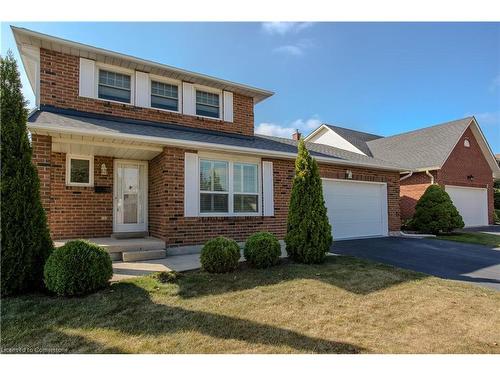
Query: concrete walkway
179	263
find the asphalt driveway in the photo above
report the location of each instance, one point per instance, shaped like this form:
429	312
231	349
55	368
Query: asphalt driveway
446	259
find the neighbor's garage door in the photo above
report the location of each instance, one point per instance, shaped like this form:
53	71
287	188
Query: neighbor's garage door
356	209
472	203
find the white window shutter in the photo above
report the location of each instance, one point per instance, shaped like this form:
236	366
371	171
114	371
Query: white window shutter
228	106
142	94
268	188
188	99
87	78
191	189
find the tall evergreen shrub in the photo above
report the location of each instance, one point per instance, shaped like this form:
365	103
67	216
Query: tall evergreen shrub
309	233
25	240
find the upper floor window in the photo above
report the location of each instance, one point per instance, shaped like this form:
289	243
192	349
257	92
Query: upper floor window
207	104
164	96
114	86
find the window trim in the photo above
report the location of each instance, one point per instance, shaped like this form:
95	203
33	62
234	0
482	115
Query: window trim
168	81
90	158
115	69
210	90
231	160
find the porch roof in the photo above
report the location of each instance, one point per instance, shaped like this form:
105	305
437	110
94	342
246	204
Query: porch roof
149	138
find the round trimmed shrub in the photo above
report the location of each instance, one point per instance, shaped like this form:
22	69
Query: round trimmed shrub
77	268
435	212
220	255
262	250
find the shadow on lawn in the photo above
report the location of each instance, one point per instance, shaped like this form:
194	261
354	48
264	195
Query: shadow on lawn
129	309
345	272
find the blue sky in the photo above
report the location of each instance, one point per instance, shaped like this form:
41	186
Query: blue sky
383	78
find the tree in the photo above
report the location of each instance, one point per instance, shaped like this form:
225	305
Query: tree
26	242
435	212
309	234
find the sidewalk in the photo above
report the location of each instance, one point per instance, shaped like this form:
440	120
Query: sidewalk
179	263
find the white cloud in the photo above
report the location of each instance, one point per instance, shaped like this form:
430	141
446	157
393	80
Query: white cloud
282	28
265	128
495	83
286	131
295	49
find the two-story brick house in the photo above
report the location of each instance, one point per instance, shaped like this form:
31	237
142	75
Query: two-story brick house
129	146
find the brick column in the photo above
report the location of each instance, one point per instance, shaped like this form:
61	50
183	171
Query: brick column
42	149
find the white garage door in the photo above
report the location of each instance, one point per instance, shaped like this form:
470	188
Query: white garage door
472	204
356	209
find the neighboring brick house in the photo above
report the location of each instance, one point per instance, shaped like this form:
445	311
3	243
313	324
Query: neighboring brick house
126	146
454	155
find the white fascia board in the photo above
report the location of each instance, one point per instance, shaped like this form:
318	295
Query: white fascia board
258	94
315	132
326	136
48	128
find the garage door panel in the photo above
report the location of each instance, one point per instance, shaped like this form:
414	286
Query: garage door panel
356	209
472	204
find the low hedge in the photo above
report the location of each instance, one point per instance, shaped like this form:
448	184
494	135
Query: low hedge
220	255
262	250
77	268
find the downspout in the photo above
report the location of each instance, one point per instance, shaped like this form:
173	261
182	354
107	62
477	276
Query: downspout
430	175
407	176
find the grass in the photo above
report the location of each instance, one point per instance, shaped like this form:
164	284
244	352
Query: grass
343	306
490	240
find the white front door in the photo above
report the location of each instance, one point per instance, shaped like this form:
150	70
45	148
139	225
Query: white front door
355	208
471	203
130	196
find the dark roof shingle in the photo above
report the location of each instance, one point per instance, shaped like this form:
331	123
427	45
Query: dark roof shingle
110	126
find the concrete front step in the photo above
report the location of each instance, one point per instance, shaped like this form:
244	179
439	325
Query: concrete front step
133	256
117	247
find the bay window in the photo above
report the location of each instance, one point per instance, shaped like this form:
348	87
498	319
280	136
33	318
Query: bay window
229	187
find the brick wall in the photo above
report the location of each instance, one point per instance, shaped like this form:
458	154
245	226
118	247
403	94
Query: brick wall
461	163
59	76
72	211
166	201
465	162
411	190
79	211
42	151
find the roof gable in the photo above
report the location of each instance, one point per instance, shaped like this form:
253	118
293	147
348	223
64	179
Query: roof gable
346	139
426	148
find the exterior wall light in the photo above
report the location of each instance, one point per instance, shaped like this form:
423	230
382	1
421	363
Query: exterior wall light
348	174
104	170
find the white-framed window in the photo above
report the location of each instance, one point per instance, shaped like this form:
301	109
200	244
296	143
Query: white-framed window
229	187
245	187
164	96
208	104
114	86
79	170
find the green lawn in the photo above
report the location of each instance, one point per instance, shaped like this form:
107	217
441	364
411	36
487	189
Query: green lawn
343	306
486	239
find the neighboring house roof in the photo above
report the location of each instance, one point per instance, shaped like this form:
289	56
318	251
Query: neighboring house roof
426	148
54	121
29	38
354	137
423	149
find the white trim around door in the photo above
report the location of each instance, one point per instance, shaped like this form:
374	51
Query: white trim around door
130	196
